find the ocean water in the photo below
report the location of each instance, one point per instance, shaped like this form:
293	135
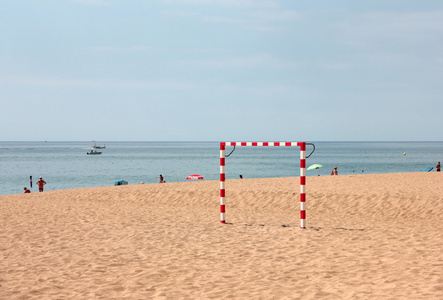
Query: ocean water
65	165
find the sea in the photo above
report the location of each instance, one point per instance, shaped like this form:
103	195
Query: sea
66	165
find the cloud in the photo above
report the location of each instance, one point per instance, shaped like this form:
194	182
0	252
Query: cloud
91	2
262	15
266	4
94	83
247	61
256	20
182	13
392	40
275	15
392	27
139	48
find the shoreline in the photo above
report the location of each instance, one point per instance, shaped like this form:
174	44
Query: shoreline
35	188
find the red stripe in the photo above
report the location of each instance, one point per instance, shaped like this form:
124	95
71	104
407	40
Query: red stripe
276	144
222	161
233	144
302	163
222	208
288	144
265	144
303	214
254	144
222	192
302	146
302	180
303	197
243	143
222	177
222	146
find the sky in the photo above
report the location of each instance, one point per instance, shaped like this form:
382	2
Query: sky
221	70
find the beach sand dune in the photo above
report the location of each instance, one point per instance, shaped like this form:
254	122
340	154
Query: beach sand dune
367	237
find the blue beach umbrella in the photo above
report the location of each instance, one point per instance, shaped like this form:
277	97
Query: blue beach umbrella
428	169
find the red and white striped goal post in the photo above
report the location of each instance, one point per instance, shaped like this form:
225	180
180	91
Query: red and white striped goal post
302	146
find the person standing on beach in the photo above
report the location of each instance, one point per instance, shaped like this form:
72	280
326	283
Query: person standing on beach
438	167
26	190
40	184
334	171
161	179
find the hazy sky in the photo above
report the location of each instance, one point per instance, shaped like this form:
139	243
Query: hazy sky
221	70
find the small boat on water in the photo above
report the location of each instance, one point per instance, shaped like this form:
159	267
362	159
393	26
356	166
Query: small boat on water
93	152
94	149
98	147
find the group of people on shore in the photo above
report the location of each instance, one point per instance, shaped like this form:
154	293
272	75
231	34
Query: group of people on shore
41	183
334	171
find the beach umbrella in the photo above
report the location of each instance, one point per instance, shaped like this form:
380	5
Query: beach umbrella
314	166
194	177
428	169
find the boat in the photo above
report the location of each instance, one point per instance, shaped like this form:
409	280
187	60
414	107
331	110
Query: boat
93	152
98	147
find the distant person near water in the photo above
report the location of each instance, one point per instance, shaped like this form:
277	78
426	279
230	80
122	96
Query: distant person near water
438	167
334	171
161	179
26	190
241	176
40	184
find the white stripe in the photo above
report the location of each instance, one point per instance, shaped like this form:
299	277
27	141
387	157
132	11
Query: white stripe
222	216
302	154
303	223
302	172
222	200
260	144
222	185
302	206
222	153
303	189
222	169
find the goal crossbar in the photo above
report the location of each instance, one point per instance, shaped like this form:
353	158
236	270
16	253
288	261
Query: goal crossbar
302	146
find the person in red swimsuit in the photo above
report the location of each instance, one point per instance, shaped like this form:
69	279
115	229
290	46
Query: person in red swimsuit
40	184
26	190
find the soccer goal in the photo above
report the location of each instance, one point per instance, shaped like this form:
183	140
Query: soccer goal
303	157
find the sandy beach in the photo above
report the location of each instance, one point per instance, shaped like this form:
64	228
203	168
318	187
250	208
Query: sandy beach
367	237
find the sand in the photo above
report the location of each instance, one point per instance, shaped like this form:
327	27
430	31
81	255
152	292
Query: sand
367	237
